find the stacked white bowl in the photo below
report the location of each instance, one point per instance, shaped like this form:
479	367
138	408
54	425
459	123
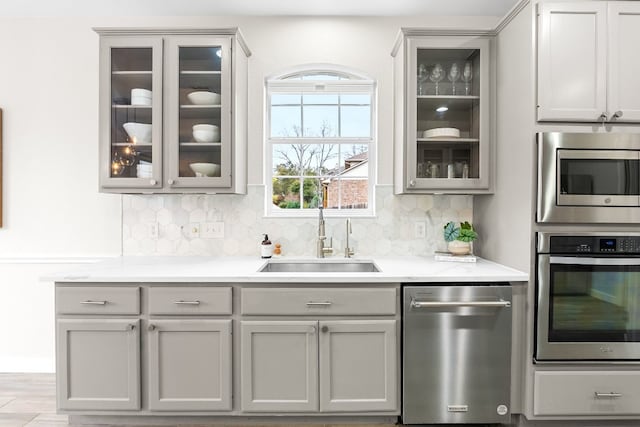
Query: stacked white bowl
144	169
203	97
206	133
140	97
205	169
139	133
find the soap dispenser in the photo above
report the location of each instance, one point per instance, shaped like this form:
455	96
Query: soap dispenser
266	249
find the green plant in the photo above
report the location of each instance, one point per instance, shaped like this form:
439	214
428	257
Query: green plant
464	233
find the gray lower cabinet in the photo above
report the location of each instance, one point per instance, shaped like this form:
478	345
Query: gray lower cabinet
326	366
279	366
358	367
98	364
189	365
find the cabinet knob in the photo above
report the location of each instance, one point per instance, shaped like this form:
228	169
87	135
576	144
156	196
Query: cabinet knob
151	327
131	327
170	181
325	329
603	117
616	115
412	183
153	182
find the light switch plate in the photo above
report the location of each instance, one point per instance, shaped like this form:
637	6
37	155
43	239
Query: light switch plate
213	230
420	230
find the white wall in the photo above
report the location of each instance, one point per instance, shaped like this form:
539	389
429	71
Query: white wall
49	94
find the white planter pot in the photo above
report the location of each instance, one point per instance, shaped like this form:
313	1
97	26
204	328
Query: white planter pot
457	247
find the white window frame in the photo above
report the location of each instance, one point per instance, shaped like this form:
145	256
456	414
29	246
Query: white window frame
354	82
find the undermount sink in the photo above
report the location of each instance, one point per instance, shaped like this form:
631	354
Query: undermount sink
319	267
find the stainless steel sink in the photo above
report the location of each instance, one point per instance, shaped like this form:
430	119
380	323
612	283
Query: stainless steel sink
319	267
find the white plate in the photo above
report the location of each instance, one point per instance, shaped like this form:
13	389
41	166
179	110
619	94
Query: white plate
442	132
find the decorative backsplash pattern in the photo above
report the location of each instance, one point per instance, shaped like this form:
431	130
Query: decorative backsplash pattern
391	232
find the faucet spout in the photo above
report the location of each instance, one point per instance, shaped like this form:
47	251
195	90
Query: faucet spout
321	249
348	251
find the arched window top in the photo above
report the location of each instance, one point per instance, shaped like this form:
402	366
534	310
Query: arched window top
329	73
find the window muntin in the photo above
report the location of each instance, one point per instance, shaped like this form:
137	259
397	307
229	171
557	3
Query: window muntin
320	139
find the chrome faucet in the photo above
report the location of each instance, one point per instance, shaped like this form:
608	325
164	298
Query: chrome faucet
348	252
321	249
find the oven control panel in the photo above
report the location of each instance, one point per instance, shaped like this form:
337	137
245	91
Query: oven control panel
595	244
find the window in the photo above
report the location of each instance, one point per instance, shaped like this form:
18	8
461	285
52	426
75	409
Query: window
320	143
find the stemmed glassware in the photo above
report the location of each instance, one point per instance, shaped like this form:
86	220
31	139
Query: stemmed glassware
437	74
454	75
422	77
467	75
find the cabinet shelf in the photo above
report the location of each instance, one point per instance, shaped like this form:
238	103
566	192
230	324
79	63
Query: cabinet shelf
131	107
448	140
138	146
201	146
132	73
440	97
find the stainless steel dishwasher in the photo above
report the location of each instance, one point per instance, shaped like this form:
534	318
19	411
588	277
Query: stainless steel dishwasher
456	353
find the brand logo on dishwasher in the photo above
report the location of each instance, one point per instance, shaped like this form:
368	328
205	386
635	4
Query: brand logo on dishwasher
606	349
457	408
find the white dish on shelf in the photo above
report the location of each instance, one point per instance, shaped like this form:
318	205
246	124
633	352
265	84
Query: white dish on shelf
206	133
140	97
203	97
441	133
138	132
205	169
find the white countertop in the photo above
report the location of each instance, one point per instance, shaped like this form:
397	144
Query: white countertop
245	269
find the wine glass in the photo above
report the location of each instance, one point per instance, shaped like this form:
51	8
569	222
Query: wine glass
454	75
467	75
437	74
422	77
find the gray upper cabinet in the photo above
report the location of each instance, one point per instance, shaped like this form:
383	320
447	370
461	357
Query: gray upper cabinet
173	111
442	131
189	365
587	61
98	364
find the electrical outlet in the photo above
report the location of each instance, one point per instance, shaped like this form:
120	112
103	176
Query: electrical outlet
213	230
420	230
152	230
193	231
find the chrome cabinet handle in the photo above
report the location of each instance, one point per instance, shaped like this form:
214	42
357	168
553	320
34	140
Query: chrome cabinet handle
153	182
170	181
412	183
196	302
424	304
616	115
89	302
325	329
603	117
318	304
611	395
151	327
131	327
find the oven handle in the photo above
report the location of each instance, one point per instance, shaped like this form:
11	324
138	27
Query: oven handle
424	304
593	261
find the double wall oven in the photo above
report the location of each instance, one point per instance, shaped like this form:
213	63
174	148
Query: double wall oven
588	248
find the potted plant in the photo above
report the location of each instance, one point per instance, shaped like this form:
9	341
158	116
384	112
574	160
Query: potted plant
459	238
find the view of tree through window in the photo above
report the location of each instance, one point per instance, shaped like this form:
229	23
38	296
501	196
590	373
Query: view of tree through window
320	138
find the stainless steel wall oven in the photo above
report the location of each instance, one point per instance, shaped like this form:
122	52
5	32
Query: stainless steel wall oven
588	297
588	178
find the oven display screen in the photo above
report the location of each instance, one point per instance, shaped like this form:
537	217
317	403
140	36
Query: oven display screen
608	245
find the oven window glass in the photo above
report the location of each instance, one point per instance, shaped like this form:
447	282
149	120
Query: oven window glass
610	177
594	303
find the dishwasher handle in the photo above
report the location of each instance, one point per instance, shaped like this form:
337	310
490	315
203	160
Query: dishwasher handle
426	304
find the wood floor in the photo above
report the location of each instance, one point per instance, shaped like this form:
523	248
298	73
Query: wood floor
29	400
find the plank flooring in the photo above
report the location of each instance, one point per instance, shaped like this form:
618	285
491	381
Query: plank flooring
29	400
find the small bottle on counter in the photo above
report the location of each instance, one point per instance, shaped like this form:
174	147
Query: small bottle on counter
266	249
277	250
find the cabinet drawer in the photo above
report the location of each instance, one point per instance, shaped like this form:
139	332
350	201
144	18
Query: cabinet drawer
190	300
98	300
318	301
587	393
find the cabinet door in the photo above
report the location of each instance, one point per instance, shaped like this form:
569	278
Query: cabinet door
572	61
189	365
279	366
358	366
98	364
130	113
624	61
448	133
199	135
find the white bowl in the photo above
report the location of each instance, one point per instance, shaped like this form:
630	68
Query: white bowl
442	133
138	132
206	133
140	96
205	169
202	97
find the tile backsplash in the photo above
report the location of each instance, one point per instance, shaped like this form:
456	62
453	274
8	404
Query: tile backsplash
391	232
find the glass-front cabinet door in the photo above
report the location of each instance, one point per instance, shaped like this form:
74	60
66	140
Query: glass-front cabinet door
131	112
198	136
446	114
